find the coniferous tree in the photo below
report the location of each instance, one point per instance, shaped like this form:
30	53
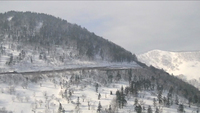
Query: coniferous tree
118	98
138	108
99	107
157	110
10	60
90	52
118	76
180	108
195	99
136	101
168	99
149	110
88	105
154	102
99	96
176	100
78	103
136	88
132	87
160	97
97	86
127	89
122	89
143	108
129	76
165	101
109	109
189	101
110	77
110	92
60	108
123	100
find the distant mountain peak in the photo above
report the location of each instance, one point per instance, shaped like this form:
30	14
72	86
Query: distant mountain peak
176	63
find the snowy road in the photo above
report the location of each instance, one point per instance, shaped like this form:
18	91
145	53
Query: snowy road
111	67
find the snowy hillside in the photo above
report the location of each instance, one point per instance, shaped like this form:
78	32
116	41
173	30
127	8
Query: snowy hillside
89	91
176	63
35	41
28	59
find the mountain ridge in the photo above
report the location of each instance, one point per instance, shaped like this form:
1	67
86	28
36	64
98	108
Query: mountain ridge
178	51
174	62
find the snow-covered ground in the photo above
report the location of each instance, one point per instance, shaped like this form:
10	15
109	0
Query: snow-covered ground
43	94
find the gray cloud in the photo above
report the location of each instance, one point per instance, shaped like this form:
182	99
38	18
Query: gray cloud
136	26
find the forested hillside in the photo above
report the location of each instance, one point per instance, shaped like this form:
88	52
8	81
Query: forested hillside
45	31
36	37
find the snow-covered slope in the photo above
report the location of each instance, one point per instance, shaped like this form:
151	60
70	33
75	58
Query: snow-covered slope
10	59
77	93
176	63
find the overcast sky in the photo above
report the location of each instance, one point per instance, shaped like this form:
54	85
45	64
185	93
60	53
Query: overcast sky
138	26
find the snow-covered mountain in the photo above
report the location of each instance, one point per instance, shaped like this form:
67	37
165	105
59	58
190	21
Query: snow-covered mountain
103	77
185	64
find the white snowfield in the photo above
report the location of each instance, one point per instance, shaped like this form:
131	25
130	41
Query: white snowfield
176	63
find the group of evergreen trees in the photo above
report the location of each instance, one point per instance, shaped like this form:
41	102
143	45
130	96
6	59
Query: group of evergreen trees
120	98
155	80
